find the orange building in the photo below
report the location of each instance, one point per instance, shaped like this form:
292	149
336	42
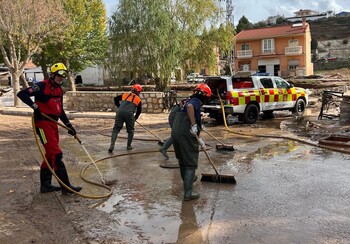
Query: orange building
280	50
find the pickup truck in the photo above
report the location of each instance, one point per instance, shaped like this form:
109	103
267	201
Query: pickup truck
248	95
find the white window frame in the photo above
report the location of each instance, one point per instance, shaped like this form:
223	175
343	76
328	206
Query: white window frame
293	64
245	46
293	42
268	45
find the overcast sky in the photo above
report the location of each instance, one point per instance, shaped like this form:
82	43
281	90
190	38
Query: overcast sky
258	10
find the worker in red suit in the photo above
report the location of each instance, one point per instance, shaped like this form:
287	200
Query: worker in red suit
48	96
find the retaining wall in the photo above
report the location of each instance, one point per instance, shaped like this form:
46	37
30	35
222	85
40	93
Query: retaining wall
82	101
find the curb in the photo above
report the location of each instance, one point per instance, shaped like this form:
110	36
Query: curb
70	114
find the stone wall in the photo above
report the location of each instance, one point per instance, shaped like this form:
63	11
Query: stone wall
152	102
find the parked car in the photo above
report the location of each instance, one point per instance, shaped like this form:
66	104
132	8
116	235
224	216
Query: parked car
195	78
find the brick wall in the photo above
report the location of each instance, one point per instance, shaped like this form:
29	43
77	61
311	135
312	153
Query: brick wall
152	102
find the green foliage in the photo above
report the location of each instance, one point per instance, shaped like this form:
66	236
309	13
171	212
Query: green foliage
84	42
244	24
281	20
260	24
157	37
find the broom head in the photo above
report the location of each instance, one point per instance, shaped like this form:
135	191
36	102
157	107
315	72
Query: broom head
223	147
229	179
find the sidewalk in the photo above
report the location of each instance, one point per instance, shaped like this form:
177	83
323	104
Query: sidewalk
26	111
145	118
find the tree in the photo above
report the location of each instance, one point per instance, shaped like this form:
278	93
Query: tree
260	24
157	36
23	26
244	24
84	42
281	20
216	41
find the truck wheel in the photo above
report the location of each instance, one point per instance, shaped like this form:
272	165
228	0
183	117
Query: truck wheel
251	114
299	107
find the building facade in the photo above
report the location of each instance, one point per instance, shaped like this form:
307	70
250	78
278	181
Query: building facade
280	50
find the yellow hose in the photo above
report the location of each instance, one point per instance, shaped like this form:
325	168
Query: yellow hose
81	173
277	137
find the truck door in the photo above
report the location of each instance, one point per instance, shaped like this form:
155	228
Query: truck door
267	98
285	93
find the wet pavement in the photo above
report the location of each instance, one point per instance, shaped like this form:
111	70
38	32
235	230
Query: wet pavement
286	192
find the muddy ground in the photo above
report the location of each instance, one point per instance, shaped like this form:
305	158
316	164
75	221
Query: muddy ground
146	205
287	191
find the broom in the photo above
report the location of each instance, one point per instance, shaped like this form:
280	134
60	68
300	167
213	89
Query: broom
160	142
221	146
217	178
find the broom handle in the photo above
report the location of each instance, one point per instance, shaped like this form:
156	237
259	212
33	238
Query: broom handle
60	124
160	139
213	137
206	154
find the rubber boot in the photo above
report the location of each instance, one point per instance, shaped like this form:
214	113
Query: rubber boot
163	150
113	139
188	185
130	137
182	172
63	175
45	181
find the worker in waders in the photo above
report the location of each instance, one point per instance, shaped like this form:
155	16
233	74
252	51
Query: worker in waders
185	131
127	104
168	142
48	96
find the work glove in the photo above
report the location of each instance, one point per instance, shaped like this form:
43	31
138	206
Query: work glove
71	130
37	112
194	129
202	143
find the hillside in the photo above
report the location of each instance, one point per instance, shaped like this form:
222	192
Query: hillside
334	28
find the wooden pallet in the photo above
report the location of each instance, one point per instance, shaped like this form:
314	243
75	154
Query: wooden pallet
336	141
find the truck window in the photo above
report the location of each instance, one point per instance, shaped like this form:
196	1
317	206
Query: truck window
266	82
281	83
242	84
217	85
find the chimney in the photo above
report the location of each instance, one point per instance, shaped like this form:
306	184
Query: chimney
304	21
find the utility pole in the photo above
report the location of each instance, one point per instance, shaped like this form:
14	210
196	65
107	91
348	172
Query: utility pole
230	21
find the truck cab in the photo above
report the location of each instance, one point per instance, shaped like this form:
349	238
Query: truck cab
247	95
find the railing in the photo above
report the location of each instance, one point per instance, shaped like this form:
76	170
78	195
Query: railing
268	51
297	50
245	54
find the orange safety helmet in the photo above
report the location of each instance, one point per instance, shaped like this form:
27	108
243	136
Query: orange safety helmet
203	88
137	88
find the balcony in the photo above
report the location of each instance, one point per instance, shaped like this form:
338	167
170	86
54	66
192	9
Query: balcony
297	50
245	54
270	51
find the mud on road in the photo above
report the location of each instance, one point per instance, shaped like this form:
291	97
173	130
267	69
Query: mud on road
286	192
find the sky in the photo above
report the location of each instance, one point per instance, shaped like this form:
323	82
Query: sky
259	10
